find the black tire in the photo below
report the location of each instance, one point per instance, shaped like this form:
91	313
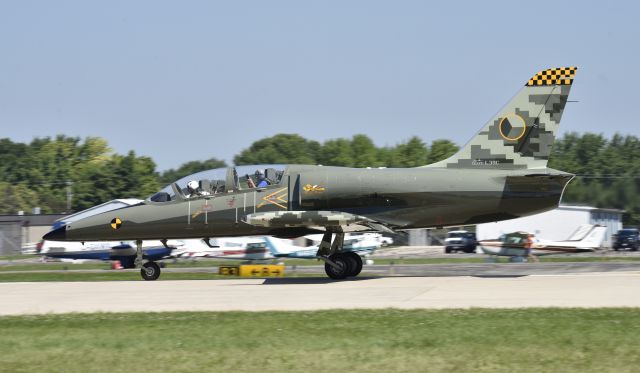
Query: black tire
447	250
150	271
343	270
356	264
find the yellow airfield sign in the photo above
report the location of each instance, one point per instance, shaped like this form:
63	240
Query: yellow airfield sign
253	270
228	270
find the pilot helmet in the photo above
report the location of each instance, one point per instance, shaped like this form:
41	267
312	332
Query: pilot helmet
193	185
260	173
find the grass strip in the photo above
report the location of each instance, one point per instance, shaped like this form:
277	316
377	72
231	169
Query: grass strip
478	340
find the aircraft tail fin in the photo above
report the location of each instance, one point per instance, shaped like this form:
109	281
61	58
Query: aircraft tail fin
275	246
594	238
521	135
581	232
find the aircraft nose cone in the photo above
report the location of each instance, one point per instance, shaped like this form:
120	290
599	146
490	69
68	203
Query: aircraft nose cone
58	234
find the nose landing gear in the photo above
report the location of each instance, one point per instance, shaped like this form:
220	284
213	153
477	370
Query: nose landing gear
150	271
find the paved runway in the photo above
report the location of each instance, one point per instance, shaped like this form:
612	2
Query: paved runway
619	289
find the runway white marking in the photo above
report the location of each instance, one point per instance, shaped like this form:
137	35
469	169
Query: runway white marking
610	290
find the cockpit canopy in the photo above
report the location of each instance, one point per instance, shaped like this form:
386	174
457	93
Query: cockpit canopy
221	180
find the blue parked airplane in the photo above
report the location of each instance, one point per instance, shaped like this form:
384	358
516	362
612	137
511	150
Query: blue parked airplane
124	252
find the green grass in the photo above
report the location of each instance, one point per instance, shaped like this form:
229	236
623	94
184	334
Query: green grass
15	257
78	276
100	276
478	258
71	272
478	340
53	266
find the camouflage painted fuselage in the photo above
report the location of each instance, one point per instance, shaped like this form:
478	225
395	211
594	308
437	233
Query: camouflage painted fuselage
397	198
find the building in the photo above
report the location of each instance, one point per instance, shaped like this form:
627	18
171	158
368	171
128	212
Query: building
16	231
556	224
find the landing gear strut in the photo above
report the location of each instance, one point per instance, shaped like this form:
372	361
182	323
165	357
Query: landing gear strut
338	264
150	270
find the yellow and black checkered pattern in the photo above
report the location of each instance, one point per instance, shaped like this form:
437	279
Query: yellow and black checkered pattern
557	76
116	223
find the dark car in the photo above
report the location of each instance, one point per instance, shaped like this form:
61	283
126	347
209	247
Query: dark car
627	239
460	241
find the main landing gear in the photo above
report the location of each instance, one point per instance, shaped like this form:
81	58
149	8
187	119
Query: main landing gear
150	270
338	264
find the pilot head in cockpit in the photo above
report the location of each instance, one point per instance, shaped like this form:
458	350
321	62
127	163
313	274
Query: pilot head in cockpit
261	180
192	188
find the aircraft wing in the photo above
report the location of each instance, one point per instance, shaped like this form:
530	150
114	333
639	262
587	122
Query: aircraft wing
562	249
313	219
497	247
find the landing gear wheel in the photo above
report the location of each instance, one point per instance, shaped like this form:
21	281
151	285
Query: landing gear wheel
356	264
150	271
343	267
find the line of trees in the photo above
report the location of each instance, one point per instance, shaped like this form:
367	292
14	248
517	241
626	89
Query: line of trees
38	174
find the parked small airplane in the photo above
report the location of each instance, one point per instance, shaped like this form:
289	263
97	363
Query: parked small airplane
500	174
125	252
243	248
281	249
266	248
519	244
355	241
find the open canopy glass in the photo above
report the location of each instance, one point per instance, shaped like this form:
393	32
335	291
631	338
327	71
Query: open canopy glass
221	180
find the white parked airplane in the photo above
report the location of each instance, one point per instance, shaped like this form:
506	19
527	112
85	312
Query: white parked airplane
243	248
587	237
264	248
284	249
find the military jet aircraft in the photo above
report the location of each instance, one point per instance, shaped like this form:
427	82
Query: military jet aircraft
500	174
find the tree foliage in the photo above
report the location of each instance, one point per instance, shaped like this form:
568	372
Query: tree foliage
189	168
608	171
281	148
36	174
359	151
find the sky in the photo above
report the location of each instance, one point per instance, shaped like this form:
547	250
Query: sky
191	80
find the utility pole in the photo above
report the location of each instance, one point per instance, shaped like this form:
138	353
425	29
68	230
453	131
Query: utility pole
69	195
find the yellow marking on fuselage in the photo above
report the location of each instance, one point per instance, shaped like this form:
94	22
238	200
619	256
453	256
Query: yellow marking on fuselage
313	188
277	198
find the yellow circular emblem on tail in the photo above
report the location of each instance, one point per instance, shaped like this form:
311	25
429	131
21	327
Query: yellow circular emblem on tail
512	127
116	223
